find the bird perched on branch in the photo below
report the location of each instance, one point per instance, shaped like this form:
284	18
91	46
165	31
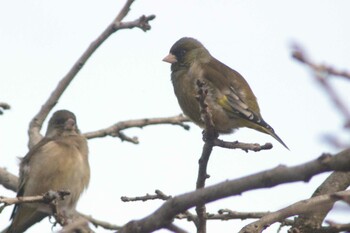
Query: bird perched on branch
58	162
230	100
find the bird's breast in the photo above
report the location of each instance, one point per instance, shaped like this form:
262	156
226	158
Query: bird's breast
60	166
186	90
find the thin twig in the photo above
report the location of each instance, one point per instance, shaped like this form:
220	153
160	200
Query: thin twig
209	135
158	196
269	178
162	196
51	198
99	223
335	182
243	146
321	74
8	180
338	226
226	214
124	11
300	207
299	54
4	106
45	198
189	216
115	130
176	229
37	121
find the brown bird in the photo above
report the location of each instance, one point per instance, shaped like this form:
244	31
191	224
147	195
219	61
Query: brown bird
230	100
58	162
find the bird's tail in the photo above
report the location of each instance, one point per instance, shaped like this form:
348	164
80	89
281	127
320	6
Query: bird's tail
266	128
275	136
263	127
5	230
24	218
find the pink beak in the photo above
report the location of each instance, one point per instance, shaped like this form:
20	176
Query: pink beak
170	58
70	124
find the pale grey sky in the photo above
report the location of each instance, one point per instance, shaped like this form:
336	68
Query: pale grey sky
126	79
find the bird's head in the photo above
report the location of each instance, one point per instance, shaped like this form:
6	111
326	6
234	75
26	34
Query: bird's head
186	51
62	123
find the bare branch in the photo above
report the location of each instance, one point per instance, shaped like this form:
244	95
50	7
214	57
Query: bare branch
124	11
8	180
162	196
328	229
37	122
226	214
241	145
49	198
158	196
210	138
142	23
270	178
175	229
209	135
99	223
345	198
202	176
45	198
189	216
337	181
337	227
321	73
4	106
300	207
115	130
299	54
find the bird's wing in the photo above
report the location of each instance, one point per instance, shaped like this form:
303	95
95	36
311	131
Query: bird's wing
235	96
23	177
25	217
234	93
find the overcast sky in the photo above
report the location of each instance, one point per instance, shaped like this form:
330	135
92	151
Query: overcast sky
126	79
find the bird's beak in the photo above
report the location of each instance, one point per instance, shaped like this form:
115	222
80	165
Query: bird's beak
170	58
70	124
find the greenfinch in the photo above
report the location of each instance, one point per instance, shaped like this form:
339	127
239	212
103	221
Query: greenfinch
58	162
230	100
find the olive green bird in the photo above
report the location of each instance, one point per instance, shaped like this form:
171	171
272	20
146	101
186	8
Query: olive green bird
230	99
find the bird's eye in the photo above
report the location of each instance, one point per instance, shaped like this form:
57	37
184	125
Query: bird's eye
60	121
180	53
